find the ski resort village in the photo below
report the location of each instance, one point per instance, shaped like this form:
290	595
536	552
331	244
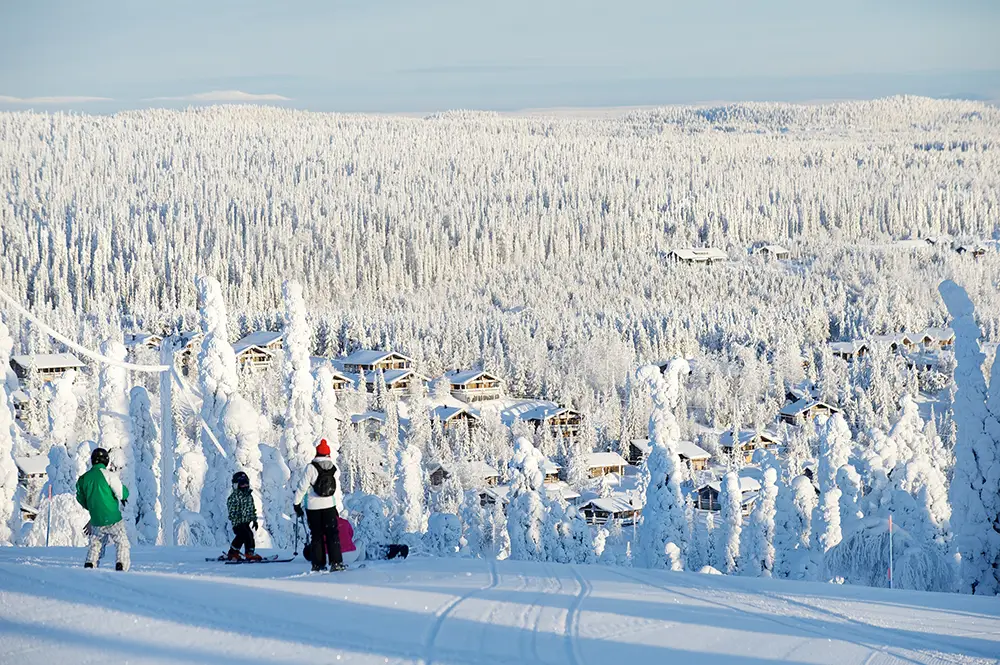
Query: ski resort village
692	384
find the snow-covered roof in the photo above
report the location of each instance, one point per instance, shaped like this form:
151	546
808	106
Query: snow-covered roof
849	348
616	503
261	338
803	405
747	484
33	465
368	415
151	340
937	334
563	490
549	467
48	361
500	493
190	338
393	376
691	451
19	397
600	460
773	249
480	469
446	412
545	412
889	340
371	356
468	376
700	254
745	436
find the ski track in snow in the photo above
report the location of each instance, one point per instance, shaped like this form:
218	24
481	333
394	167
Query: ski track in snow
446	612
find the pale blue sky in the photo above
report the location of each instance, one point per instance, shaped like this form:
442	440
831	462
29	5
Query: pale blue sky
392	55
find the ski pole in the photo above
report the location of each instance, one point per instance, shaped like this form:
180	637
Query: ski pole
890	550
296	527
48	525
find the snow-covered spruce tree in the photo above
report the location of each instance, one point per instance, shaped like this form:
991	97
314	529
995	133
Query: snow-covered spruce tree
975	500
448	499
616	550
146	449
229	418
298	441
113	423
577	470
526	510
389	435
496	527
663	519
556	534
757	540
727	544
11	493
584	548
63	405
473	518
241	425
792	532
701	551
371	526
327	420
834	451
418	433
410	516
849	484
444	534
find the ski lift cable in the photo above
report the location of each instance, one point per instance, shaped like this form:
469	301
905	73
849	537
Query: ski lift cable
94	355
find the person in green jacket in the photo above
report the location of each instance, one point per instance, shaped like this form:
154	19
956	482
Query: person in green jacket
99	492
243	515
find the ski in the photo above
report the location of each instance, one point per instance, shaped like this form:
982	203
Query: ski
267	559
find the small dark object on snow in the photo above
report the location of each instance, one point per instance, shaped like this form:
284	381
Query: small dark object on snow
119	566
88	565
402	551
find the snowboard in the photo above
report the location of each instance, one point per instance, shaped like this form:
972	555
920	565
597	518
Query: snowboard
268	559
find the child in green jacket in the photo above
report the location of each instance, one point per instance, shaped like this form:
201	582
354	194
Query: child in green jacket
99	492
243	515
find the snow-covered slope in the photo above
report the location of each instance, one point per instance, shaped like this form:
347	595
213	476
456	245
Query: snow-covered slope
173	607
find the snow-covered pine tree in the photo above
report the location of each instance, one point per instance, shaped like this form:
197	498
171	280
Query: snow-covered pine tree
757	539
410	515
444	534
792	532
146	449
849	484
474	537
11	493
727	544
371	526
835	449
663	519
298	441
526	510
975	500
113	423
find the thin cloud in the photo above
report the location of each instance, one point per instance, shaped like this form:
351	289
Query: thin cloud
5	99
224	96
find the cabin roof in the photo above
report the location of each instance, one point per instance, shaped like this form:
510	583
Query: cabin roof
549	467
468	376
48	360
686	449
481	469
745	436
261	338
803	405
937	334
851	348
600	460
396	375
32	465
700	253
747	484
563	490
371	357
446	413
368	415
774	249
545	412
616	503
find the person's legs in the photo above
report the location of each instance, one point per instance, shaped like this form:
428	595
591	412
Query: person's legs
244	538
249	543
119	536
95	546
315	520
332	536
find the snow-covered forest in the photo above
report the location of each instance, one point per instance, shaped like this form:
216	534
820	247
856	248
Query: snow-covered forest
535	249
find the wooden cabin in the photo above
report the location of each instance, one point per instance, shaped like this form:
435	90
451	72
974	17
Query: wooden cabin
551	471
188	348
437	474
707	496
483	473
370	361
691	454
975	251
340	381
894	343
747	441
697	255
490	496
20	400
601	464
452	416
561	421
397	381
143	340
46	366
620	507
802	410
475	386
369	422
258	349
776	252
937	338
849	350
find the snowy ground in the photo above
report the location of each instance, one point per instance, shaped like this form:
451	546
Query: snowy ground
173	607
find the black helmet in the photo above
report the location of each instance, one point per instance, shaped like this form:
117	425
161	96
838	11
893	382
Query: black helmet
99	456
241	480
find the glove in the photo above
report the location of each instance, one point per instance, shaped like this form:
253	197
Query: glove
298	509
89	530
254	525
124	502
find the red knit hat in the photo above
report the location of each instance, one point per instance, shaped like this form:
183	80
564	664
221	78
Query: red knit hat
323	449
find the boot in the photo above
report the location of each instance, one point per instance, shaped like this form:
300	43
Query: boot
252	556
119	566
233	555
88	565
337	567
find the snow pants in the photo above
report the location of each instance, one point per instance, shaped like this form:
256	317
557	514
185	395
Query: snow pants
244	538
325	536
99	536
